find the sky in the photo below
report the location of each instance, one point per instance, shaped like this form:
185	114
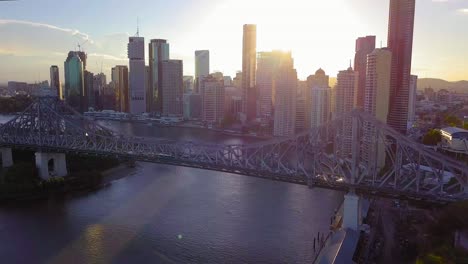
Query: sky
35	34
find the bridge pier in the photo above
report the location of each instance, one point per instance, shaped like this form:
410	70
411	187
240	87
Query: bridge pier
352	211
7	157
51	165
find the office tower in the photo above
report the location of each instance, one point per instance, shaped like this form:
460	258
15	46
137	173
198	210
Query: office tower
90	99
158	51
300	114
212	93
268	64
237	81
172	86
364	46
55	80
249	64
285	102
188	84
74	81
99	84
318	98
400	43
192	106
136	55
377	102
218	76
346	95
202	67
120	82
227	81
413	89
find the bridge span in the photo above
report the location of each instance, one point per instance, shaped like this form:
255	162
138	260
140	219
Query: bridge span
355	153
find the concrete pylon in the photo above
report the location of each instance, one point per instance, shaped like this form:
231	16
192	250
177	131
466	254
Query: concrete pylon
59	165
352	212
7	157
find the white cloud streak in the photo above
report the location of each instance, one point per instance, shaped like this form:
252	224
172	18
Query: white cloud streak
73	32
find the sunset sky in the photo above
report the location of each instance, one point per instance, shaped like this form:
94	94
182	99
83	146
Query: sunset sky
35	34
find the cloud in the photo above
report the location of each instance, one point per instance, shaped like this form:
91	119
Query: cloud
73	32
107	56
463	11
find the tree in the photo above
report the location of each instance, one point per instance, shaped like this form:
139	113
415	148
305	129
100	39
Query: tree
432	137
453	121
465	126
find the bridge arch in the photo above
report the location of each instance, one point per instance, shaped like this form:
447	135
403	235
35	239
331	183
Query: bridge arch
51	165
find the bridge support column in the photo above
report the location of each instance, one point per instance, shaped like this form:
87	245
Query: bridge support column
7	157
352	211
51	165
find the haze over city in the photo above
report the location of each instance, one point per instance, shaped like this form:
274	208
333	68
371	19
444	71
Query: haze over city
37	34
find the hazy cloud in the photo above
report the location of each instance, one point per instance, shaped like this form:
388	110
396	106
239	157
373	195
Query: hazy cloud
463	11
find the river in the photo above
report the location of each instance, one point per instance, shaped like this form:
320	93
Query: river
168	214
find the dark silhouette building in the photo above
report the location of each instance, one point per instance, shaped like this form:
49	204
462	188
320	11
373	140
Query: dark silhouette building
364	46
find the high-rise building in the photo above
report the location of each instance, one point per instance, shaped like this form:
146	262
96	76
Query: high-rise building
74	81
188	84
400	43
249	64
120	82
318	98
172	86
202	67
346	93
212	93
413	90
136	55
158	51
237	81
364	46
99	84
268	64
377	104
90	99
285	102
55	80
300	114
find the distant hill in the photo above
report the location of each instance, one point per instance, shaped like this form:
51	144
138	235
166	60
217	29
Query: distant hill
438	84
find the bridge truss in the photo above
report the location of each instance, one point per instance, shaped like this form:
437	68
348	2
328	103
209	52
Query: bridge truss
353	153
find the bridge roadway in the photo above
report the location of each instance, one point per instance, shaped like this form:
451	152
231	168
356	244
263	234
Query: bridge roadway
314	158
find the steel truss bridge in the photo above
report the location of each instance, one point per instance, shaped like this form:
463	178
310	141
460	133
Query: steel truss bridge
317	158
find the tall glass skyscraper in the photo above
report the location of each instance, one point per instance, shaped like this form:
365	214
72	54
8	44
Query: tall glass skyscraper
137	85
55	80
249	68
74	81
364	46
158	51
202	67
400	43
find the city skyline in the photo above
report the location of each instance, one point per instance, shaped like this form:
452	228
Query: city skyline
437	53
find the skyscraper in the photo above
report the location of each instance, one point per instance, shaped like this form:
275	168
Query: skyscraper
412	100
346	95
202	67
249	64
212	91
158	51
120	81
90	99
285	102
364	46
172	86
136	55
376	103
318	98
74	81
55	80
400	43
99	84
268	64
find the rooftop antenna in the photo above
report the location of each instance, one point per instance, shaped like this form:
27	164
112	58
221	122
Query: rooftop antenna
138	27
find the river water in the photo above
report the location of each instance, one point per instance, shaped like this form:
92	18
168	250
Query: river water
168	214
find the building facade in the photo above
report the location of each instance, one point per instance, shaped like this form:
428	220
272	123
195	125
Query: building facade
364	46
202	67
346	97
413	94
120	83
172	86
212	95
318	99
377	103
249	65
400	43
137	73
158	51
285	102
74	93
55	80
